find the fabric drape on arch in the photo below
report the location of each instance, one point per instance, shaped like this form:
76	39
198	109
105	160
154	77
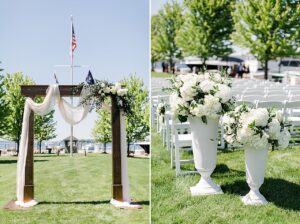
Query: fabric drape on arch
72	115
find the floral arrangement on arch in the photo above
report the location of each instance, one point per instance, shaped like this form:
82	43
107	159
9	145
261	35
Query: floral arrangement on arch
205	95
255	127
100	90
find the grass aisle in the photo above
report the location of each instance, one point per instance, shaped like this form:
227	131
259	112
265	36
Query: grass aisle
172	203
75	190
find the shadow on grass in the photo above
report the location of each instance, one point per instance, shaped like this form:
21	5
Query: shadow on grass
282	193
15	161
85	202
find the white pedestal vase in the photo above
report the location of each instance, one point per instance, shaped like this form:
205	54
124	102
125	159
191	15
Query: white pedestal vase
204	143
256	160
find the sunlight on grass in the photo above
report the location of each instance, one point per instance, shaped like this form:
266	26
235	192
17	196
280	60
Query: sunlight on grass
75	190
172	202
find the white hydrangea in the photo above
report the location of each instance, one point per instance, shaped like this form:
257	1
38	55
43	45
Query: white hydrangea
198	111
212	106
176	102
229	138
207	85
279	116
284	139
244	134
224	93
274	129
227	120
188	90
260	116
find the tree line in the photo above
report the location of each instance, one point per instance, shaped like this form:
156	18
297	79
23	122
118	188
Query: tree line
207	28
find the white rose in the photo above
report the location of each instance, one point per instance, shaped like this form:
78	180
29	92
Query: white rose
224	93
113	89
244	134
122	92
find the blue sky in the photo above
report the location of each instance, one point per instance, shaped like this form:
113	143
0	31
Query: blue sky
112	38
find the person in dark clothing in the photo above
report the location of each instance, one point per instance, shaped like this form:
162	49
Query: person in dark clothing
240	71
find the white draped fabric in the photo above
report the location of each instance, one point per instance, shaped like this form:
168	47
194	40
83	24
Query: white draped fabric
72	115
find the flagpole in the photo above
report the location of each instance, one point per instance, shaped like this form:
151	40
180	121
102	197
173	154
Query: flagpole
71	137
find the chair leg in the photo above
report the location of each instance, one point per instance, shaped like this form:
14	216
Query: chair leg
177	160
172	159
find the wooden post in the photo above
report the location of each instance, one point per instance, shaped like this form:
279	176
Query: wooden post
29	187
117	191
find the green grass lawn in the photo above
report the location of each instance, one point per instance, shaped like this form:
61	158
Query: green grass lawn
75	190
172	202
160	75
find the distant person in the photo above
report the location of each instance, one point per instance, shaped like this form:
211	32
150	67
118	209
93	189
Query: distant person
240	71
163	65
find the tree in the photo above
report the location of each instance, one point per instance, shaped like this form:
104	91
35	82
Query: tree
155	26
164	27
102	129
3	106
268	28
15	105
137	122
206	29
44	126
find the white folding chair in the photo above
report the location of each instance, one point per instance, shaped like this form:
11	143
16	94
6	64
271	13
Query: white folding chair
289	114
252	98
277	97
182	141
279	105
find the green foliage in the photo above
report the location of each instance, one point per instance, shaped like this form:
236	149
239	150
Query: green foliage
137	122
206	29
102	129
44	126
15	105
163	33
270	29
3	107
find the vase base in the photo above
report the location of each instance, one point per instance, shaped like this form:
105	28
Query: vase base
204	188
125	205
254	198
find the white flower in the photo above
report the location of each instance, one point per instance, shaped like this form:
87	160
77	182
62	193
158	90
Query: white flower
260	116
228	120
279	116
212	106
106	89
284	139
217	77
118	86
122	92
274	129
113	89
229	138
102	85
244	134
188	91
176	103
198	111
257	142
224	93
207	85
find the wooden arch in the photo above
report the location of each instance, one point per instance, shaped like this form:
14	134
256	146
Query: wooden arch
33	91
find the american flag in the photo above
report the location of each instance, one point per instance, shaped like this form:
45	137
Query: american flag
56	80
73	42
